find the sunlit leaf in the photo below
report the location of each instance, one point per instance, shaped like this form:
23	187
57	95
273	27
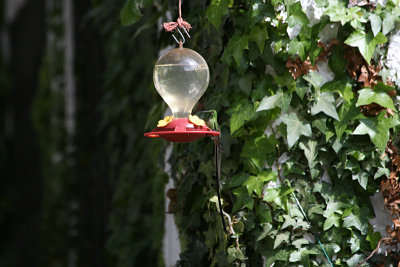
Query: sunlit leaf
366	43
325	103
295	128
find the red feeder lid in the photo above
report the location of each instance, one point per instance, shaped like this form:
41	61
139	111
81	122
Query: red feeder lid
182	131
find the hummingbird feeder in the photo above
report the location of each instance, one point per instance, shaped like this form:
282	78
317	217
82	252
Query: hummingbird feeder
181	77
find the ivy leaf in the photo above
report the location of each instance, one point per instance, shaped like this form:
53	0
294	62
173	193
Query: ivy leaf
332	248
242	199
298	243
337	12
358	220
376	23
278	100
332	220
286	79
207	168
235	254
257	149
295	128
290	167
265	216
130	12
245	83
388	23
297	48
373	238
315	209
382	171
214	200
355	242
320	124
236	45
256	183
325	104
289	221
275	194
377	129
259	35
296	15
341	86
368	96
337	63
314	78
362	178
243	112
333	207
347	113
310	151
355	260
303	256
238	180
275	255
381	87
266	228
216	10
295	256
333	235
280	238
301	90
366	43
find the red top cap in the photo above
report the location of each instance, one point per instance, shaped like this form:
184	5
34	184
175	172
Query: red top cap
182	131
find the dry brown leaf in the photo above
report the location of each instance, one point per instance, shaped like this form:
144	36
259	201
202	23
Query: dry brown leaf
396	222
359	3
371	110
333	42
354	61
392	93
172	194
389	82
298	68
396	161
364	76
385	185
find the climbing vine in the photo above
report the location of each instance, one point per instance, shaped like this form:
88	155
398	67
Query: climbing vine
306	99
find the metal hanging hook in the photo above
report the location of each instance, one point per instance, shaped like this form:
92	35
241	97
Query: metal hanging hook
183	37
187	33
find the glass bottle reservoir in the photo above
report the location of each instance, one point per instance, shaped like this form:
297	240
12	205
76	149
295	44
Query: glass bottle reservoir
181	77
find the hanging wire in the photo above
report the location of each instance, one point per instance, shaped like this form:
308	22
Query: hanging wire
315	235
217	156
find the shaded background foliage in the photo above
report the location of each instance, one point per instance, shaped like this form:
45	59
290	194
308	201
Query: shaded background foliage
93	195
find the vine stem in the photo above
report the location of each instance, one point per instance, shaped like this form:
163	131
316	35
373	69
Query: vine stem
228	217
218	176
375	250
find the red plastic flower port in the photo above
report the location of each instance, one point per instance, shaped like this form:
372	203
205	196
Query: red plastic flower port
182	131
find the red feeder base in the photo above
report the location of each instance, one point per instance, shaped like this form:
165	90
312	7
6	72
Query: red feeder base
182	131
